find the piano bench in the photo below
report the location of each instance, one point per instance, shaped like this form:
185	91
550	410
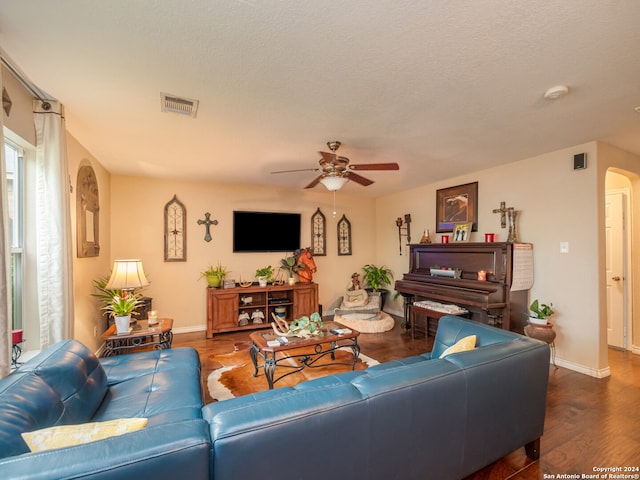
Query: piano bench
416	311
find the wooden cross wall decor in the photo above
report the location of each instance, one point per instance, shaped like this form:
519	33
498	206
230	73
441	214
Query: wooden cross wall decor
503	214
207	222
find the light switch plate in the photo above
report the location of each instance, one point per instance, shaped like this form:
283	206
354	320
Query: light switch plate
564	247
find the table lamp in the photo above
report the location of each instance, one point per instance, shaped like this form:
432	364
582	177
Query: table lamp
127	275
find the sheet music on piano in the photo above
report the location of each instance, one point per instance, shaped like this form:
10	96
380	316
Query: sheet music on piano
522	278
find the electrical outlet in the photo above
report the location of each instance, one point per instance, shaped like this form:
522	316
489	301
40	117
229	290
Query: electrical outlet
564	247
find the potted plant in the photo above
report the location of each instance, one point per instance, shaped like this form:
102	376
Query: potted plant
264	275
540	312
108	296
376	278
121	307
215	275
289	264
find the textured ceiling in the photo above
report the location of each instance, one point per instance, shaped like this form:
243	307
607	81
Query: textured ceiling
441	87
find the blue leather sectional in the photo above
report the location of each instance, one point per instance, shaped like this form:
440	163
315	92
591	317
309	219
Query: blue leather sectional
415	418
67	384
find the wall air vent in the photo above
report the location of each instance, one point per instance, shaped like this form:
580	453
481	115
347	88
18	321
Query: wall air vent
181	106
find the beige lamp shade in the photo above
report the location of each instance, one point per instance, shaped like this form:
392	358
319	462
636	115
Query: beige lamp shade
127	275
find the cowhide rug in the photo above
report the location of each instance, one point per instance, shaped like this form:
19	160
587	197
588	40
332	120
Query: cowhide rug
232	374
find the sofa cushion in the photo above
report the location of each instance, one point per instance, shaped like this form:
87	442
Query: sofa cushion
69	435
63	385
452	328
163	386
463	345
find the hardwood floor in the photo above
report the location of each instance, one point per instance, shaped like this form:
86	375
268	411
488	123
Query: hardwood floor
590	422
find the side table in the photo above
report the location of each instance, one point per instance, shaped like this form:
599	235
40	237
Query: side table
141	336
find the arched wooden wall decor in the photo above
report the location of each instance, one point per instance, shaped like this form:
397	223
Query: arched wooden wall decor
87	212
175	231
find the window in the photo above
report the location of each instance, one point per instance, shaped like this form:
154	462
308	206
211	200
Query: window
15	190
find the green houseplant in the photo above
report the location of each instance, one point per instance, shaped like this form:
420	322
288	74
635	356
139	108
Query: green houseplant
117	304
540	312
376	277
215	275
289	265
264	275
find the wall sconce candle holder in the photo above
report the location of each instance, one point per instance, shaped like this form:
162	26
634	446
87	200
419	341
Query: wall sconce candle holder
406	228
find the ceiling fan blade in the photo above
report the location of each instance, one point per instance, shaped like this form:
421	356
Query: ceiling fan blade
314	182
298	170
359	179
375	166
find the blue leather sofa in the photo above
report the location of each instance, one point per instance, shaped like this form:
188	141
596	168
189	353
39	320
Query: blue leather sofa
416	418
67	384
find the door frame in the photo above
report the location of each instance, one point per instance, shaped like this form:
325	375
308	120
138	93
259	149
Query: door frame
627	270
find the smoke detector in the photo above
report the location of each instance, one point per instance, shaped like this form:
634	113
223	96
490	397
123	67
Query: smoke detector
556	92
180	105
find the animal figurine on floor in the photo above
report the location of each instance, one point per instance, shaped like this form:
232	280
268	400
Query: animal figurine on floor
306	265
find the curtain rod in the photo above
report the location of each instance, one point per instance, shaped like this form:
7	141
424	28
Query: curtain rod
26	83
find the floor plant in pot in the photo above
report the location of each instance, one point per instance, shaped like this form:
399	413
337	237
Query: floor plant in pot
375	278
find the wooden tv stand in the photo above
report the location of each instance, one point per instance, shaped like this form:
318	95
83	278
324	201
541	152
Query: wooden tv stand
224	305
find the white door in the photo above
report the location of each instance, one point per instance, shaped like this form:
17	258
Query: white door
614	228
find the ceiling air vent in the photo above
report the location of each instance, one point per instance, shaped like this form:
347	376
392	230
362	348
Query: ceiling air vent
181	106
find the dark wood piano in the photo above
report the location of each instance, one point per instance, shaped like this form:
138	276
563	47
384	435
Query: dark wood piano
491	301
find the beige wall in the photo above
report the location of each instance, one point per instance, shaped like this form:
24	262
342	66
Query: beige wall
88	325
137	231
557	204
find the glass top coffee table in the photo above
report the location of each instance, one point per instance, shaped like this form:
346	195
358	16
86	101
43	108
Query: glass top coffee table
141	336
276	353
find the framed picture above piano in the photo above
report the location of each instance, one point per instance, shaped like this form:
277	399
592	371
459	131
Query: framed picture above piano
456	205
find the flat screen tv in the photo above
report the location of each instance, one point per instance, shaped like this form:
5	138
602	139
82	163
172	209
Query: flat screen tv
266	231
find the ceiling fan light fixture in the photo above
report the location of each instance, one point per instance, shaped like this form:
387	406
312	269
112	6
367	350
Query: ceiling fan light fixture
333	183
556	92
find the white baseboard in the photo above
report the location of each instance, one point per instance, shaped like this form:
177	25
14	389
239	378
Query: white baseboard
195	328
592	372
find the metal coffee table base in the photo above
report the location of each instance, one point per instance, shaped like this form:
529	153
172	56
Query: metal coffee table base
300	362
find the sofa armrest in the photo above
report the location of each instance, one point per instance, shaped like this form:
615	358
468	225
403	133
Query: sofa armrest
177	450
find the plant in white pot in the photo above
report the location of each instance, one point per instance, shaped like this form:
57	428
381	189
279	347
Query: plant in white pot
264	275
289	265
540	312
121	307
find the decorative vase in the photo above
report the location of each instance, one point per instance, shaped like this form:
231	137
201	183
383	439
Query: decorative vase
122	324
262	281
541	332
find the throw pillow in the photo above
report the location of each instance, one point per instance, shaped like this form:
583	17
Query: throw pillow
462	345
69	435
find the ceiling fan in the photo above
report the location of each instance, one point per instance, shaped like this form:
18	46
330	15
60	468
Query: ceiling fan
336	170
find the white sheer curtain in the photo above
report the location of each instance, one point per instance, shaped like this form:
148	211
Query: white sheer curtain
5	262
54	247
